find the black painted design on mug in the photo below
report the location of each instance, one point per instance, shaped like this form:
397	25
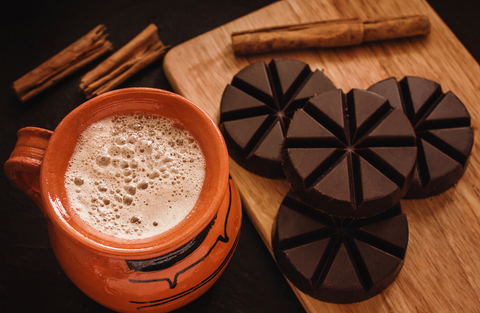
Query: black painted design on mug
189	291
169	259
172	284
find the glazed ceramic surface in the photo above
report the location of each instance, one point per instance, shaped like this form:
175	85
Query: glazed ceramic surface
159	273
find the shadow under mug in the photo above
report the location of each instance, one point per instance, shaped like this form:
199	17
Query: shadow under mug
159	273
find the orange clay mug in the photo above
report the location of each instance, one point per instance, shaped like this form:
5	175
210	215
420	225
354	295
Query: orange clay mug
155	274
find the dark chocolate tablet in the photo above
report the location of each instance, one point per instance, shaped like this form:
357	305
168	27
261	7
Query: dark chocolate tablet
352	155
338	260
256	109
442	126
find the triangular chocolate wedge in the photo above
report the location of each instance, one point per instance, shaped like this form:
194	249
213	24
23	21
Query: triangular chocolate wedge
438	163
449	112
307	265
328	108
393	130
268	148
372	185
396	163
455	142
290	74
364	111
314	85
254	80
389	89
297	225
381	266
342	270
389	232
306	130
336	183
310	163
236	104
242	132
419	95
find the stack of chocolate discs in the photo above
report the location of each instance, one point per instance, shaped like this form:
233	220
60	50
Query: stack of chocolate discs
340	235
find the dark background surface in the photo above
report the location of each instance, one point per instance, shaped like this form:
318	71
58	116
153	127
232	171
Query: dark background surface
33	31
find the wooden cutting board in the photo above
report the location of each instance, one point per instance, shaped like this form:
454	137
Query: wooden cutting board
441	272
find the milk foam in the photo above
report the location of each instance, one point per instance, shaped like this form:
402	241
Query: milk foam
134	176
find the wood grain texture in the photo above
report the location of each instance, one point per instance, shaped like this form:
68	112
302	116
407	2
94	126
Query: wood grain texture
441	270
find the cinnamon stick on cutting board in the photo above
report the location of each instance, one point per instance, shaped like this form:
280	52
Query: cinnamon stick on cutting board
142	50
78	54
335	33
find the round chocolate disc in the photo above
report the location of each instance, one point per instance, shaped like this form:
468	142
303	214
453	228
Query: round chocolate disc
442	126
256	109
352	155
338	260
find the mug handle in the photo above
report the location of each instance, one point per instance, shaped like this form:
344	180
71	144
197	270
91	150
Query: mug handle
23	166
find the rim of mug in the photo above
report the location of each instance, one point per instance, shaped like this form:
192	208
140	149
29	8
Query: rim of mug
56	203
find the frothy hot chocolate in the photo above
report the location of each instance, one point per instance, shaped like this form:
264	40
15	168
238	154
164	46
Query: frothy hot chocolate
134	176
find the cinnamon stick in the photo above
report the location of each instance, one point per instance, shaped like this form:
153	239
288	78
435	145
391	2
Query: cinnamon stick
325	34
396	28
141	51
75	56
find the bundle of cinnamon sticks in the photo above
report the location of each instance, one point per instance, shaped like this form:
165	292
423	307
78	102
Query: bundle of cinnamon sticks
72	58
141	51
